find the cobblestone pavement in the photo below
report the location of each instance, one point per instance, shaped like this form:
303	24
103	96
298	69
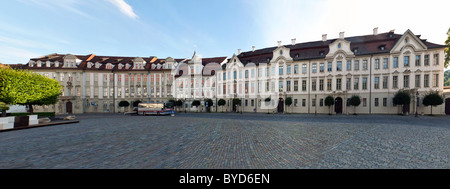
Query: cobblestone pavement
226	140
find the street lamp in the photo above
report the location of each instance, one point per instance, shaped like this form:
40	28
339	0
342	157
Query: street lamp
417	103
315	105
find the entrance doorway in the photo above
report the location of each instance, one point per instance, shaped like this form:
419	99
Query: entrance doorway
69	107
447	106
280	105
338	105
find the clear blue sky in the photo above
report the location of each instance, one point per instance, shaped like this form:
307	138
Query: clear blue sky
175	28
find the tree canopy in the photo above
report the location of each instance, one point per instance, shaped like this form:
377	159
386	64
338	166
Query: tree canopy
433	98
27	88
402	97
447	50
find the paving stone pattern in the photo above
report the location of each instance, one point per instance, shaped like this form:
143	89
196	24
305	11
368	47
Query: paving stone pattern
233	141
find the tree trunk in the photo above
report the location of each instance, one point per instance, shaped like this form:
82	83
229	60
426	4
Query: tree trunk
3	113
31	109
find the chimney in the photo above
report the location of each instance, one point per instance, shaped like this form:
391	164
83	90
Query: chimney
375	31
324	37
279	43
293	41
253	48
341	35
239	51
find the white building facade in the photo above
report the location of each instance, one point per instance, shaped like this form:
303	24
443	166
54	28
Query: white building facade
374	67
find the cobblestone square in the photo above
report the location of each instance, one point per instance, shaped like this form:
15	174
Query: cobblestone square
232	141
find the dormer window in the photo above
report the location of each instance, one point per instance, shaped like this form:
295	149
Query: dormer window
339	46
355	50
406	40
281	52
268	59
297	55
322	53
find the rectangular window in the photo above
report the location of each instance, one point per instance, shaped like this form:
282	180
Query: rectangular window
364	65
377	64
339	66
321	102
246	74
349	65
384	102
417	81
426	79
435	80
338	84
377	82
395	63
313	102
280	70
426	60
364	102
376	102
321	67
224	76
385	63
385	82
330	66
296	69
436	59
314	68
329	84
295	102
296	85
252	72
406	61
313	85
394	82
348	84
235	75
303	102
356	84
364	83
288	70
417	60
280	86
303	85
288	85
356	64
321	85
406	81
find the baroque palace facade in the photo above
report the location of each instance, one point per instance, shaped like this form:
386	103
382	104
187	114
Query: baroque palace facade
372	66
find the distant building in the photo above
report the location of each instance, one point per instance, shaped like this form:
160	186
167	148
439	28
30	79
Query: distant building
372	66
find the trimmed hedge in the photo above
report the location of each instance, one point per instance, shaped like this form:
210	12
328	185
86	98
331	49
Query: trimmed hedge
40	114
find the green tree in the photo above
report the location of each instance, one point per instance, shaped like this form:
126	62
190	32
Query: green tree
329	101
447	78
3	108
288	101
267	102
210	102
402	97
433	98
222	103
447	50
178	103
27	88
355	101
136	103
124	104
